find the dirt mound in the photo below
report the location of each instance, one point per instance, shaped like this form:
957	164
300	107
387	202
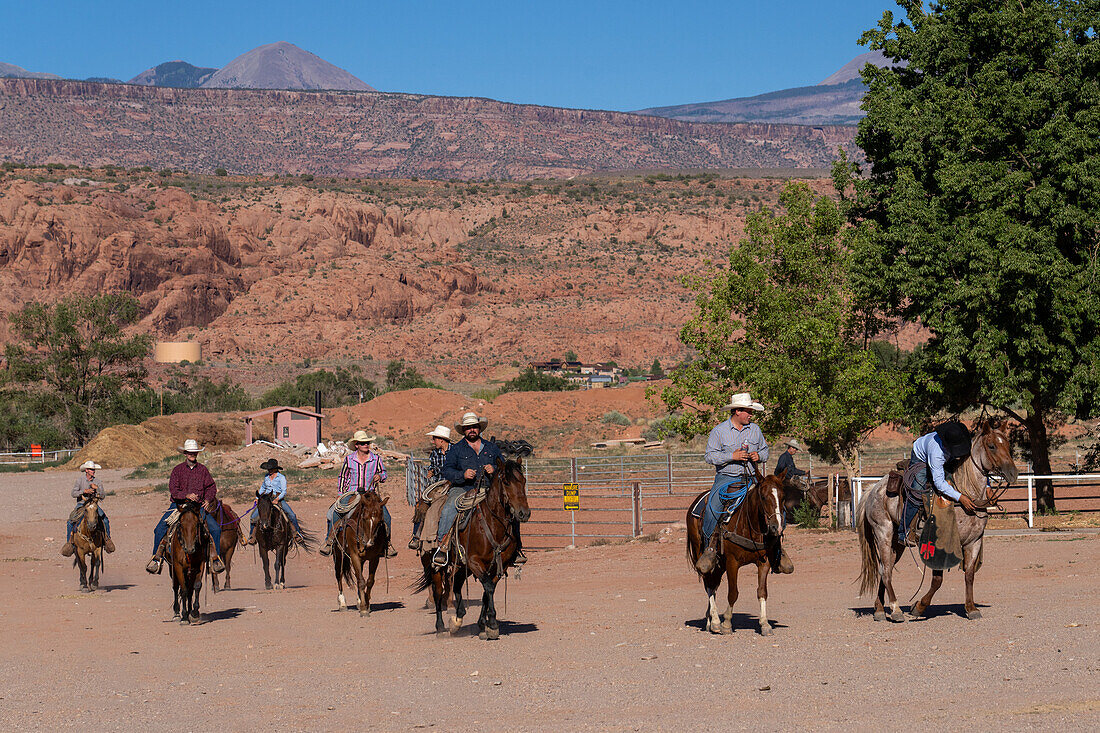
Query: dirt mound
127	446
249	458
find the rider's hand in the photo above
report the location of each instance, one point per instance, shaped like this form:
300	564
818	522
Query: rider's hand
470	473
739	455
193	497
489	468
755	456
967	503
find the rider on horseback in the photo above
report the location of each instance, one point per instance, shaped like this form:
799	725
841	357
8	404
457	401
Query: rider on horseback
362	471
189	481
932	452
441	443
85	488
274	484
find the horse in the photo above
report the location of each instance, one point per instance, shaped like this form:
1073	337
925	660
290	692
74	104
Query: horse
274	533
751	536
489	549
189	557
88	539
230	524
360	537
878	515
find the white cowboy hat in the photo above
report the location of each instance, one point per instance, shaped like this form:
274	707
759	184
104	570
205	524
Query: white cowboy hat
361	437
441	431
469	420
90	464
191	446
792	443
744	399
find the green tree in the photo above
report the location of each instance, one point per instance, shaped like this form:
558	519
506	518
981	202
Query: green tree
531	381
984	195
656	370
398	377
78	353
780	322
571	355
345	386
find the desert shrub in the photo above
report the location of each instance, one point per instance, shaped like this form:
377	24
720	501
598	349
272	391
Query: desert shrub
806	514
615	418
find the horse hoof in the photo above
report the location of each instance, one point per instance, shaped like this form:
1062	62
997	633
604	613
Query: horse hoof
916	612
973	615
85	589
765	629
184	622
880	615
897	617
492	634
726	628
267	586
364	614
483	635
456	624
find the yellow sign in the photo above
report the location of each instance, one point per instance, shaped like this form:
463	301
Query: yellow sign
571	494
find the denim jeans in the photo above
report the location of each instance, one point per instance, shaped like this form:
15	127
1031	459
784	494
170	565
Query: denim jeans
332	517
449	512
912	499
71	526
211	524
720	499
285	506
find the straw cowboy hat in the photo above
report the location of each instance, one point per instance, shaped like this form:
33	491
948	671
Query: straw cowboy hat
469	420
744	400
271	464
792	443
441	432
191	446
361	437
90	464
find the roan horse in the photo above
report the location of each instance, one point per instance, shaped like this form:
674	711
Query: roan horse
189	557
751	536
88	539
489	549
274	533
230	525
878	514
360	537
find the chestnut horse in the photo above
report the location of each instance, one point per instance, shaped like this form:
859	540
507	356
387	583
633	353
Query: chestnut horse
359	537
189	556
489	549
751	536
274	533
230	525
878	514
88	539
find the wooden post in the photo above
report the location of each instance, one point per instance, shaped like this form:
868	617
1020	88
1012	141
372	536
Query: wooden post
636	508
832	512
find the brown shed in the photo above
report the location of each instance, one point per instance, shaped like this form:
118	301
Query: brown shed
289	423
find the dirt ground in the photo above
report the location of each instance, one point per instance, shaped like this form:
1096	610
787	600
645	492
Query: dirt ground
601	638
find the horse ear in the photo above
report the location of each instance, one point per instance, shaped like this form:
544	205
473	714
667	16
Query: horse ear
385	500
782	473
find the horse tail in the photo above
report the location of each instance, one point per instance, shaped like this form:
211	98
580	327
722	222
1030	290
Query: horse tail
868	575
309	539
424	582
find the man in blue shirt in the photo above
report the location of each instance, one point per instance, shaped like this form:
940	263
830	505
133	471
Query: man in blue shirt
948	443
274	483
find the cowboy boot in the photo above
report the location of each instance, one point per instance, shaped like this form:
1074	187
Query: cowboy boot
68	549
156	561
441	558
705	564
326	549
784	565
108	544
216	564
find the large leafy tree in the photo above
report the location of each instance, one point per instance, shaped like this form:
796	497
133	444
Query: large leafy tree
983	147
780	320
77	356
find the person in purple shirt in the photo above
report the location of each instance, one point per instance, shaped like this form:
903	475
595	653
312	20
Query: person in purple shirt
937	452
189	481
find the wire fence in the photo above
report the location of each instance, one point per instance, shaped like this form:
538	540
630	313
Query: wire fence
38	456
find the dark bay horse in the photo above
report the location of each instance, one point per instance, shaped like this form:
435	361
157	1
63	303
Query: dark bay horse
878	514
751	536
230	525
275	533
88	539
489	549
189	555
359	538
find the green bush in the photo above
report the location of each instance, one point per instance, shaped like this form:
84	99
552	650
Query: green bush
615	418
806	514
221	172
531	381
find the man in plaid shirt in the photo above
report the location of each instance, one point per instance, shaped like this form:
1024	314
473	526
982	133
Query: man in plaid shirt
441	441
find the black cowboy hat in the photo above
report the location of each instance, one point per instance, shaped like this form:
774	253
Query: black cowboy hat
955	438
271	464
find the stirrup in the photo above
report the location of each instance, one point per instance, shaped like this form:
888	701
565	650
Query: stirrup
519	558
414	543
441	558
154	566
217	565
705	563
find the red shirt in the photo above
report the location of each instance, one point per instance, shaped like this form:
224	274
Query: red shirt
187	480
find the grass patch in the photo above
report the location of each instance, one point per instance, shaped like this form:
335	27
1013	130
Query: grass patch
27	467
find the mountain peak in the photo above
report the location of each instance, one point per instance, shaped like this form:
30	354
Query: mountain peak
174	74
851	69
282	65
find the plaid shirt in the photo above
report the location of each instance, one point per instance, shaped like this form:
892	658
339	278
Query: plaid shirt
435	464
355	475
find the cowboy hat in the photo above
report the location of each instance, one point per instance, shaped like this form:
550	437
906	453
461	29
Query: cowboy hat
470	420
955	438
271	464
361	437
792	443
90	464
743	400
191	446
441	432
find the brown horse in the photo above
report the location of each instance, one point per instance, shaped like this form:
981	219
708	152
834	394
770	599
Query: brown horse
88	539
188	553
274	533
751	536
359	537
230	524
488	547
878	515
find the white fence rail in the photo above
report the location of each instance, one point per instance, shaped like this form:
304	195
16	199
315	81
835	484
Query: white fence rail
47	456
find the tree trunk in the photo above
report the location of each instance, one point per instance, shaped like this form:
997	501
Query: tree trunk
1040	457
849	463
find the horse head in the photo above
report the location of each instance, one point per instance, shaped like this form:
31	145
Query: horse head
770	491
992	451
190	531
264	509
370	514
91	515
514	484
795	490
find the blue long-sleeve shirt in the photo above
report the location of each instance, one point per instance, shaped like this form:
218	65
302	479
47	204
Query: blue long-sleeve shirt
275	486
928	449
462	456
727	438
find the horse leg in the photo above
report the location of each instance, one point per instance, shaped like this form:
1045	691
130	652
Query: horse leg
338	560
972	560
889	557
492	626
196	589
762	570
360	585
456	587
920	607
267	569
83	565
712	618
176	597
227	559
93	571
439	596
280	565
372	567
732	569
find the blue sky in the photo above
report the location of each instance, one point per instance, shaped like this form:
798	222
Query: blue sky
603	55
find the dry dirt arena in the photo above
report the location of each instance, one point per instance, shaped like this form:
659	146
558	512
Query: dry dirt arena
603	638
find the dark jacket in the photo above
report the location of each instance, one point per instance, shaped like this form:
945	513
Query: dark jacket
786	460
462	456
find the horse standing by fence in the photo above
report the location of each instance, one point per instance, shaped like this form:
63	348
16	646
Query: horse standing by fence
488	548
751	536
878	515
230	525
88	539
274	533
359	538
189	558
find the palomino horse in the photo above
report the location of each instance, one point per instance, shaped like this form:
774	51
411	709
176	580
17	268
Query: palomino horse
88	539
878	515
274	533
230	525
360	537
751	536
489	549
189	557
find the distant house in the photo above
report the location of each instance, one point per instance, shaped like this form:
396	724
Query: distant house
579	372
288	423
600	380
